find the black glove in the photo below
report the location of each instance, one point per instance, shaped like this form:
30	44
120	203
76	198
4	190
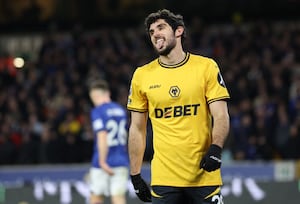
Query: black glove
212	159
141	188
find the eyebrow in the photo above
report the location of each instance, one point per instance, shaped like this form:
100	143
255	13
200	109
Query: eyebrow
163	24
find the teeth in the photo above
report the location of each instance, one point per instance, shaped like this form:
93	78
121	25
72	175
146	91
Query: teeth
159	43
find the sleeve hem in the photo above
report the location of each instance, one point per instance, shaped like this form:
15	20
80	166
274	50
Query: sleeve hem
224	98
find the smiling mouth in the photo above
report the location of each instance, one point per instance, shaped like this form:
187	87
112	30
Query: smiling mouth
159	43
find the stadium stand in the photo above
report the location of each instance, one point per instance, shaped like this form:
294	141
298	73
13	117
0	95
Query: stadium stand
44	106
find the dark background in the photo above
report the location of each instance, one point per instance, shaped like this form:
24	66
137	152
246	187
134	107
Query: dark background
256	43
265	45
32	15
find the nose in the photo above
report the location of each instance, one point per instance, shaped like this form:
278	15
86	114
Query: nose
157	34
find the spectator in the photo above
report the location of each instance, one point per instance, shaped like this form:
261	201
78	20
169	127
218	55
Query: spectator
260	63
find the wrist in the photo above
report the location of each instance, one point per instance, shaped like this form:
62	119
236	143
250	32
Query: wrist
216	147
135	177
215	150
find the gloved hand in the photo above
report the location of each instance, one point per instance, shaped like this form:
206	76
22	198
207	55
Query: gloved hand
141	188
212	159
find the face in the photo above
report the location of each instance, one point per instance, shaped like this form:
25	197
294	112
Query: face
97	96
162	37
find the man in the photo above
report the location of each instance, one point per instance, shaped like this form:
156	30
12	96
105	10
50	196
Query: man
110	162
185	96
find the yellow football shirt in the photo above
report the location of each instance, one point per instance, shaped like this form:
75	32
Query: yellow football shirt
176	98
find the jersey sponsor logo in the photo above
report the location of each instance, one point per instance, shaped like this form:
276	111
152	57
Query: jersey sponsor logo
221	80
130	90
174	91
128	101
154	86
98	124
129	94
115	112
177	111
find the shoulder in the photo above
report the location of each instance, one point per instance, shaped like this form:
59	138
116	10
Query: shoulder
147	67
116	109
202	59
118	105
96	111
206	64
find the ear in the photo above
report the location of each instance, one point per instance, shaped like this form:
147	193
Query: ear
179	31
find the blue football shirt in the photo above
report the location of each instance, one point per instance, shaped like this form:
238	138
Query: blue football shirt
112	118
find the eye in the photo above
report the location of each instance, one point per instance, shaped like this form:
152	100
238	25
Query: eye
151	32
160	27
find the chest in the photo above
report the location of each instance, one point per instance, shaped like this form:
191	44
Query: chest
167	86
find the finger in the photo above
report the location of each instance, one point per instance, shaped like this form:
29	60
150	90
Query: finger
108	170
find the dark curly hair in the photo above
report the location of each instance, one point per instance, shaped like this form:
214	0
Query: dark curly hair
172	19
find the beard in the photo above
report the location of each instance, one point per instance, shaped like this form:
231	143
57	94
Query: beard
169	47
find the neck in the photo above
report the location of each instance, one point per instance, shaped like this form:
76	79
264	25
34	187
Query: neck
103	101
172	59
176	56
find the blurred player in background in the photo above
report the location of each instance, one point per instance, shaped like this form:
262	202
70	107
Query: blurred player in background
185	96
109	171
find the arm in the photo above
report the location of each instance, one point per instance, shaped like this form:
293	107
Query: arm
220	116
103	151
136	149
137	141
212	159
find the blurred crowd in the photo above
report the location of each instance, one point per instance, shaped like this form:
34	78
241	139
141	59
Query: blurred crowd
44	107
